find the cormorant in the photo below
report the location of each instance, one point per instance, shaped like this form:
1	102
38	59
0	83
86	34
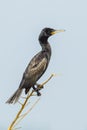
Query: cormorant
36	67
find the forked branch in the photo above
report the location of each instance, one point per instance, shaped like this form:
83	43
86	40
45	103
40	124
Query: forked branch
19	115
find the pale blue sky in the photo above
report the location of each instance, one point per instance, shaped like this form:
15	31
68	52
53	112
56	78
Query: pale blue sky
63	105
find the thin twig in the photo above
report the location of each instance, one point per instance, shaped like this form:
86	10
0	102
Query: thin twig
23	115
17	118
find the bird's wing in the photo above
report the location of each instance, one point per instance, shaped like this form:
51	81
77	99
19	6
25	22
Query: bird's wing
36	68
39	67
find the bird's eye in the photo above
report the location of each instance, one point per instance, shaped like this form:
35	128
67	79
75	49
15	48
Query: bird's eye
48	32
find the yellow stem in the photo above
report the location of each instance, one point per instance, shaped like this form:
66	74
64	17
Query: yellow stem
15	121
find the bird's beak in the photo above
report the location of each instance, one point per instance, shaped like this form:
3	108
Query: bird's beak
57	31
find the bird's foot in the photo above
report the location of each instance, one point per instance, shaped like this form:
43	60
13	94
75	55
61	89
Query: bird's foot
37	91
39	86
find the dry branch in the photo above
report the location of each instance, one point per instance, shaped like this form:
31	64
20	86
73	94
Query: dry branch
20	116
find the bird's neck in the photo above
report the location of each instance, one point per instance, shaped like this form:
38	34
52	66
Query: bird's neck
46	47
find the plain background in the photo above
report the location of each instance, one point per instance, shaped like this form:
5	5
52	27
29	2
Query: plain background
63	104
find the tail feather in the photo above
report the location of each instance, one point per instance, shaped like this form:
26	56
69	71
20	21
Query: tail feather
14	98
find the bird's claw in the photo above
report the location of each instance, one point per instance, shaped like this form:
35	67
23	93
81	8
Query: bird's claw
39	86
38	93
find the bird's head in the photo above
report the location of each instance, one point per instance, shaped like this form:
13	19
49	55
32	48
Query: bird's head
47	32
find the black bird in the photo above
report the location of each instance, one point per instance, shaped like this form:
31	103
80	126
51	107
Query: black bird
36	67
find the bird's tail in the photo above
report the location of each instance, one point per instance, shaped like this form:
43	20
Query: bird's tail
14	98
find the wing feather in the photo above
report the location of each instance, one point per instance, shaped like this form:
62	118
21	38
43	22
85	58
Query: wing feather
39	68
35	69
